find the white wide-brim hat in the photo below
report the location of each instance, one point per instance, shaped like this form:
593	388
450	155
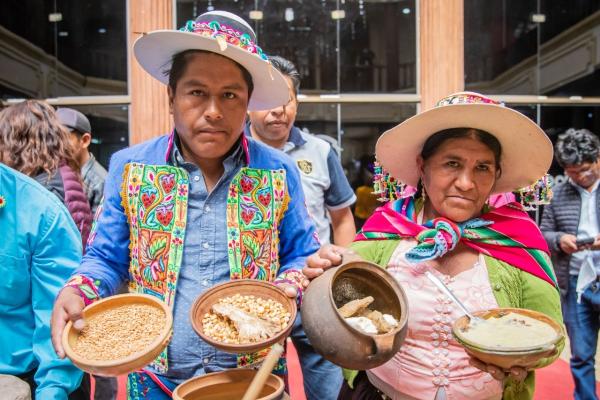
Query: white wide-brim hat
526	150
222	33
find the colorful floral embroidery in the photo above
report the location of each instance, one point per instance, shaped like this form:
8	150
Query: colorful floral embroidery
2	201
86	287
155	202
255	206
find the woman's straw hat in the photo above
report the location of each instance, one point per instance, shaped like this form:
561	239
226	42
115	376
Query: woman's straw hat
526	150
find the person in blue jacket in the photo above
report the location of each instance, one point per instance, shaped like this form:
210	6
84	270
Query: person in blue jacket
201	205
39	250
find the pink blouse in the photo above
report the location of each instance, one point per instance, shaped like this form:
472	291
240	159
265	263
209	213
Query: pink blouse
431	364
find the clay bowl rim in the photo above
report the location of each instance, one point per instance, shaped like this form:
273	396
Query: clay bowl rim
96	365
244	347
224	372
542	347
377	270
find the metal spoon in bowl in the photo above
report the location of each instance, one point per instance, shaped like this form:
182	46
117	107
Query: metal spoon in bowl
437	282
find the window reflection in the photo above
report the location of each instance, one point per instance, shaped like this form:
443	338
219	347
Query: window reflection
505	53
62	48
378	40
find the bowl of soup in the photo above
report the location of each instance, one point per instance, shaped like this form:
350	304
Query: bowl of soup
509	337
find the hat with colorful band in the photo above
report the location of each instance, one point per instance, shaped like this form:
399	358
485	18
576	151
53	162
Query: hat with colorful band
219	32
526	150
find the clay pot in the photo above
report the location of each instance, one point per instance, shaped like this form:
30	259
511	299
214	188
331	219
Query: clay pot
227	385
327	330
525	357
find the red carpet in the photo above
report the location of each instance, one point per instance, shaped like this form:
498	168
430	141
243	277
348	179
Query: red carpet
552	382
556	382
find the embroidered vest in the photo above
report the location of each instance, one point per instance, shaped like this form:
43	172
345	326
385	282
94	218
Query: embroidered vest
155	201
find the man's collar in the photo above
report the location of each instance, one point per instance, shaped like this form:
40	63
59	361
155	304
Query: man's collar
239	151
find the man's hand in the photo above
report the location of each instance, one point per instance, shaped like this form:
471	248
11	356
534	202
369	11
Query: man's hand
568	243
67	307
289	290
328	256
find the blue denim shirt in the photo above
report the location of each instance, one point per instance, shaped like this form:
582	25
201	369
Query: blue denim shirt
204	264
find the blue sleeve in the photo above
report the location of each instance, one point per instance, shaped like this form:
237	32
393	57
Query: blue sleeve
107	257
339	194
55	256
297	235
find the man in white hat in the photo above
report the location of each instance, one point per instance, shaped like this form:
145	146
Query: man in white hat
200	206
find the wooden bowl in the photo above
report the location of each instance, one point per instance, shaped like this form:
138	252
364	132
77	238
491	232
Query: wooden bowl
127	364
244	287
227	385
517	356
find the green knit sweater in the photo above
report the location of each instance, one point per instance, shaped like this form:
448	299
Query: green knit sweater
512	288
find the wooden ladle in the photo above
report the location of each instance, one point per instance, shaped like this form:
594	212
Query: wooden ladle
263	373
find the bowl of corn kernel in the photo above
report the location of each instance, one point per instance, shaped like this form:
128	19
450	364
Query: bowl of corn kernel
243	316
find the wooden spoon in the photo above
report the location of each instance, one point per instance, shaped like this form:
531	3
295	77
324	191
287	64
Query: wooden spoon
263	373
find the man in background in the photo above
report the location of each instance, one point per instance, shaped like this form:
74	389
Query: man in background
571	226
92	172
327	191
325	186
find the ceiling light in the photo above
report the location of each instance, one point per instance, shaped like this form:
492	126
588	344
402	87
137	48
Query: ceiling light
102	30
289	14
256	15
338	14
406	11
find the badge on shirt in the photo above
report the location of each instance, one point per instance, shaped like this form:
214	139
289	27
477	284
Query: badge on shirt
305	166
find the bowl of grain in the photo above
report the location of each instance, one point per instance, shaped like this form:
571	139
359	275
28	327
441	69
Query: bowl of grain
243	316
122	334
509	337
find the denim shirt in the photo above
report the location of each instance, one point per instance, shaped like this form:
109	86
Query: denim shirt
204	265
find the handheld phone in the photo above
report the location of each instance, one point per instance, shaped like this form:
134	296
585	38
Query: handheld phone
584	241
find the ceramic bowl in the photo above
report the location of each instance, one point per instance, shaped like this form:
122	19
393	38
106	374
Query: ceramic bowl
244	287
124	365
515	356
227	385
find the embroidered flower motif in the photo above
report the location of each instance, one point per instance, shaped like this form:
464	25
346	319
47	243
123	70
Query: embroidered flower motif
2	201
182	190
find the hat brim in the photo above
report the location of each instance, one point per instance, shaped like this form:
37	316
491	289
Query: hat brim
155	50
526	150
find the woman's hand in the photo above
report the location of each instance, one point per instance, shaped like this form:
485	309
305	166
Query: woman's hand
517	373
328	256
68	306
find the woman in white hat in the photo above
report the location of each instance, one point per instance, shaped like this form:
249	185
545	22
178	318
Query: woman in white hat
457	154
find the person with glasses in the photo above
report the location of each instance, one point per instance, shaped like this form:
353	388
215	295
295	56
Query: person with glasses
571	226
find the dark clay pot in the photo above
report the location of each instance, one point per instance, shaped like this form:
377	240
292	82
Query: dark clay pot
327	331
